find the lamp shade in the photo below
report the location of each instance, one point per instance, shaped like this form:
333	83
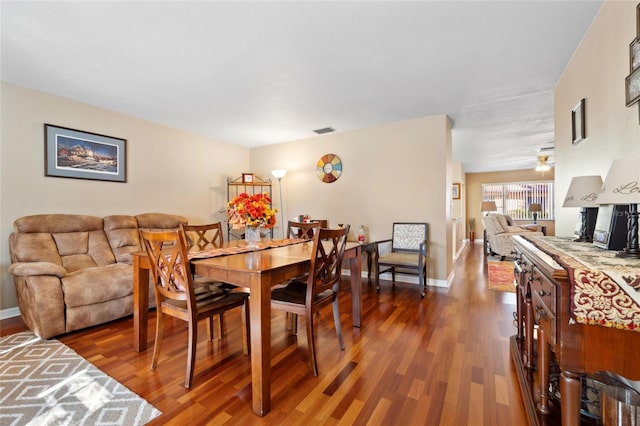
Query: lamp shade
488	206
622	184
534	207
278	173
583	192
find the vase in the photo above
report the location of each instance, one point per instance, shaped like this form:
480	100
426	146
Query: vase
252	236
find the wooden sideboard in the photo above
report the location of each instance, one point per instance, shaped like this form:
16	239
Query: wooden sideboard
543	317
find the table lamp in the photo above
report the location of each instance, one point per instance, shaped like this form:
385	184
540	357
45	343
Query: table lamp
488	206
622	187
583	192
279	174
535	208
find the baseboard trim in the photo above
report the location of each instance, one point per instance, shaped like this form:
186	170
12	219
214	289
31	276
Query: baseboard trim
9	313
406	278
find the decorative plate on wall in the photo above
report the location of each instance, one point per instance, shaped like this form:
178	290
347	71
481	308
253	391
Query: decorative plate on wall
329	168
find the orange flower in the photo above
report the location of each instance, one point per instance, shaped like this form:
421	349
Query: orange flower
251	210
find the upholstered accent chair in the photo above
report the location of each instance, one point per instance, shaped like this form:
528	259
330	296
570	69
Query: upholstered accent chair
408	253
499	233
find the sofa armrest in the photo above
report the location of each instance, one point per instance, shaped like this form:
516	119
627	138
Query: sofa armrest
27	269
41	302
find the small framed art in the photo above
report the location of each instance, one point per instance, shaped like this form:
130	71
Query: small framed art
78	154
247	178
634	55
632	88
578	125
455	191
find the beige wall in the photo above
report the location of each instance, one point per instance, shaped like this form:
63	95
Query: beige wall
596	72
192	168
393	172
474	183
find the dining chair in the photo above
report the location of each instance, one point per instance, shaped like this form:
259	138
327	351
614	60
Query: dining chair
179	296
206	237
302	230
408	253
320	288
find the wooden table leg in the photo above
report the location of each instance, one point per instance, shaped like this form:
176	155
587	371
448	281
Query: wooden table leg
528	329
544	354
355	264
570	392
260	313
140	303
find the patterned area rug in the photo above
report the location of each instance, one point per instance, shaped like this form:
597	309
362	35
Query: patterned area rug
44	382
501	276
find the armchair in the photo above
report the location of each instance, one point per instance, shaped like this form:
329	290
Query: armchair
498	233
408	253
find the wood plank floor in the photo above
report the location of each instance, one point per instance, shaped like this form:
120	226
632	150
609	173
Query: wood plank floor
439	360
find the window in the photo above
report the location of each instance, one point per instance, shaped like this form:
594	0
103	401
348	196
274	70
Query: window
514	198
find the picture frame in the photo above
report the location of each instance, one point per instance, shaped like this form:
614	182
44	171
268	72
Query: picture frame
632	88
455	191
247	178
78	154
578	123
634	55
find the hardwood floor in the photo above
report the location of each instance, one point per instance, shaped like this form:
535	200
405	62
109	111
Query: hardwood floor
439	360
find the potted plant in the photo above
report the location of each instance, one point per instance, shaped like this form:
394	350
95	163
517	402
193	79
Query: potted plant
472	229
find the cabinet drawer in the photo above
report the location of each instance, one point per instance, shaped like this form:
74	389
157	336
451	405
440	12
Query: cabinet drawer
543	297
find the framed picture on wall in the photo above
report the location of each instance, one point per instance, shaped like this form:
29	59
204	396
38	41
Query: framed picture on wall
632	88
634	55
455	191
578	126
78	154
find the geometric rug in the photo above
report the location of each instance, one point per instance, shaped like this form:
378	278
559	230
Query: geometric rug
44	382
501	276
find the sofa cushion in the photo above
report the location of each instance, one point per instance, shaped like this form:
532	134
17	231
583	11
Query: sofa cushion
123	235
160	221
96	285
57	223
37	247
80	250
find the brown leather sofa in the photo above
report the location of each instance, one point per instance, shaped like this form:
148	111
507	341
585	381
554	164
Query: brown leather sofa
74	271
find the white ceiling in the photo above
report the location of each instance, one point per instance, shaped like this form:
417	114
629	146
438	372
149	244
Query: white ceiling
257	73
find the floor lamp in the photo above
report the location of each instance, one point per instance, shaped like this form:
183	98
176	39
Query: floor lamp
279	174
622	187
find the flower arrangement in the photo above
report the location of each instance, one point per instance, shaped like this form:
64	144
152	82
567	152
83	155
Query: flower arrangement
251	210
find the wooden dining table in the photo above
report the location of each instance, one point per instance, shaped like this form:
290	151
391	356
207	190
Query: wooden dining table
257	271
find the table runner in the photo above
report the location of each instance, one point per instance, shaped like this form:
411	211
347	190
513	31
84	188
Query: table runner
605	289
262	245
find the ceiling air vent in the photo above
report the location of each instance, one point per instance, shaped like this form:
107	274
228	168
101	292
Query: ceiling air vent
546	149
324	130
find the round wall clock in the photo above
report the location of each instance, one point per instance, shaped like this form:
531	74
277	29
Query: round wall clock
329	168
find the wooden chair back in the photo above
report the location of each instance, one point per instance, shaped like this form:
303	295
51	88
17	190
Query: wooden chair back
326	261
301	230
203	237
170	269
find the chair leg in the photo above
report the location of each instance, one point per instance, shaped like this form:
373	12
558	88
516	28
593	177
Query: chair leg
246	328
159	337
422	281
336	320
191	351
210	333
311	342
222	330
